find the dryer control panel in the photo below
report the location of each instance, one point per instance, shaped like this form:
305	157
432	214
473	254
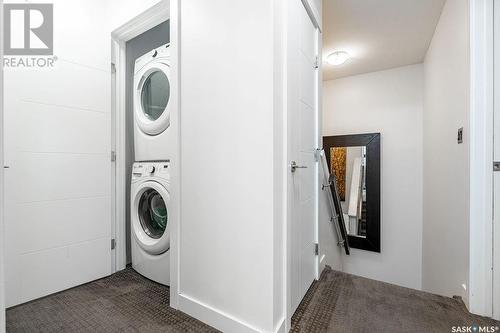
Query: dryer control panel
157	53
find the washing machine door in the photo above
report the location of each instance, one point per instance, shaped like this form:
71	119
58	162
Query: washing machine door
150	217
152	99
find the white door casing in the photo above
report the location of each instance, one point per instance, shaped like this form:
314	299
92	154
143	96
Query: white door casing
2	235
302	142
138	24
496	157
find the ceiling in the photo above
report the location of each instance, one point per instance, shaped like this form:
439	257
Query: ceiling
378	34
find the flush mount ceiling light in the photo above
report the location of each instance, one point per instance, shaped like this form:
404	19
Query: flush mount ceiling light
338	58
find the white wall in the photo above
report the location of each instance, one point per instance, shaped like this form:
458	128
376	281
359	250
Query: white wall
446	166
389	102
227	248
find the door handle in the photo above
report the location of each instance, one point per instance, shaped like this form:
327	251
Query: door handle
294	166
6	167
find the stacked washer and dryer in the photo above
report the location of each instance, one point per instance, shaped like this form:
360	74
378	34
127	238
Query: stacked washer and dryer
150	186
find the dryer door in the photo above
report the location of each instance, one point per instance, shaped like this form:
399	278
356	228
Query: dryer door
150	217
151	99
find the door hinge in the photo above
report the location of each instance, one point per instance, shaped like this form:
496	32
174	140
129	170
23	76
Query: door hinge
316	62
317	154
316	248
113	244
113	68
113	156
496	166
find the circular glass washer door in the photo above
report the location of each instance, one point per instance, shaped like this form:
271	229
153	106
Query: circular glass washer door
152	99
150	217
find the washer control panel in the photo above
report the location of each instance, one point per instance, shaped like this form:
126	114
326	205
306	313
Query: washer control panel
159	169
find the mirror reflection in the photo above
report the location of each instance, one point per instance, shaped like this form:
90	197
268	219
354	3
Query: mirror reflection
349	165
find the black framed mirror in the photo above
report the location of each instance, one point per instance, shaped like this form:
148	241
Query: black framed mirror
355	162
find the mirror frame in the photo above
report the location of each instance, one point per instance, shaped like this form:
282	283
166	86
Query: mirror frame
372	142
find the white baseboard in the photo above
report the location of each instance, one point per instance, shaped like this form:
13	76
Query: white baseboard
322	264
280	328
215	318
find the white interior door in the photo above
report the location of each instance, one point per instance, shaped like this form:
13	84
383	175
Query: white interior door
303	137
58	180
496	175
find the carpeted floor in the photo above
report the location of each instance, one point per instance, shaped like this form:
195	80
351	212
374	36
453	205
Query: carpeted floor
123	302
339	302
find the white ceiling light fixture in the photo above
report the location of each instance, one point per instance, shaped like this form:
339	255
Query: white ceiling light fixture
338	58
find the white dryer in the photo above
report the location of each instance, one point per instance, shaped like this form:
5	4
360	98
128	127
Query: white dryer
150	199
152	137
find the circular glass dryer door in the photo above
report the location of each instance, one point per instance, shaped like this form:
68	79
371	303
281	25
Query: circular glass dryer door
150	217
152	97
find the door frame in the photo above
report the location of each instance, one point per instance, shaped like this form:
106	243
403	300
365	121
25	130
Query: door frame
2	257
481	157
316	18
143	22
494	6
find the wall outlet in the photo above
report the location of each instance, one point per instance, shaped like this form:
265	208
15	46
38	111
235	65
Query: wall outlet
460	135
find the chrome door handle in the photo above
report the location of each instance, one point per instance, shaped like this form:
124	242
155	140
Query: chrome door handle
294	166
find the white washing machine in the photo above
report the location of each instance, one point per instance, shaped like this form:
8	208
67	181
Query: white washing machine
150	198
152	137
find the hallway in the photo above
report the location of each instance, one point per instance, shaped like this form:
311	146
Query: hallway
341	303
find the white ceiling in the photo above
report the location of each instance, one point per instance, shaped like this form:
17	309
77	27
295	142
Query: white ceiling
378	34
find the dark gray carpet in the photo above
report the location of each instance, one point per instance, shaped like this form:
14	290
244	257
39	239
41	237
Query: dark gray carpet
123	302
341	302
